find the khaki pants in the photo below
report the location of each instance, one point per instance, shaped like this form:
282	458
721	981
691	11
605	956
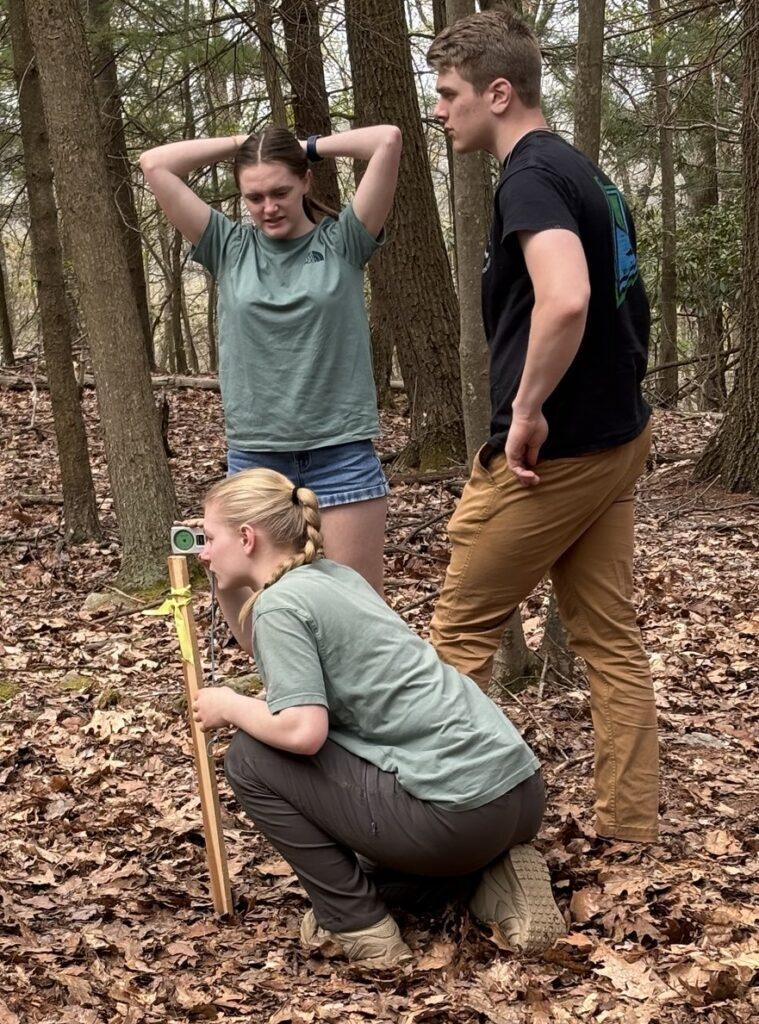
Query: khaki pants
576	525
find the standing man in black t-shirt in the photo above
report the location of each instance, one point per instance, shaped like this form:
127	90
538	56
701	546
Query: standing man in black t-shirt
567	324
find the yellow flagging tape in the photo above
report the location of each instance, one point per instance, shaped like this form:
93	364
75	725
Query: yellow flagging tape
180	598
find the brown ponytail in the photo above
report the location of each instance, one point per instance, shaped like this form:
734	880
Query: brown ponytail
278	145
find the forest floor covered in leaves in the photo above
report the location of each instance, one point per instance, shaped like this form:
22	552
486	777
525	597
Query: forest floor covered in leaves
104	907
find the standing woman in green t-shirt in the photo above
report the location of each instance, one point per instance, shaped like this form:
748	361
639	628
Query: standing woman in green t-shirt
382	775
295	364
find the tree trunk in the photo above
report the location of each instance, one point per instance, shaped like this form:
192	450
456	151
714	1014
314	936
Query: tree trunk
705	203
589	76
174	283
6	331
667	381
141	483
413	299
472	209
310	102
514	666
381	340
189	341
270	62
119	167
733	453
80	516
554	647
213	347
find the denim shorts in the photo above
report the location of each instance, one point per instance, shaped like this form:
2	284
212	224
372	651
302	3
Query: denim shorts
338	475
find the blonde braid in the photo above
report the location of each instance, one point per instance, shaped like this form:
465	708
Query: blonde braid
313	544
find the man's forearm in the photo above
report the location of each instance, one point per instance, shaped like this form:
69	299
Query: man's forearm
553	344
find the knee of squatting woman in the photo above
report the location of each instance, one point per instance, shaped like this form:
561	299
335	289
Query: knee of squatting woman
295	363
383	776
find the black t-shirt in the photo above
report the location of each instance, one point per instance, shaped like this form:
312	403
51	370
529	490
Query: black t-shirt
547	183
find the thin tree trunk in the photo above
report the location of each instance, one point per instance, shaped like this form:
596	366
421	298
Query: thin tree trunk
269	62
381	339
119	167
175	285
413	298
589	76
6	330
80	516
473	208
667	353
213	348
705	203
189	341
733	453
141	483
310	102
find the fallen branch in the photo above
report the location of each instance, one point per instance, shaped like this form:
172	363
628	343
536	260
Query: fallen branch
425	524
421	477
422	600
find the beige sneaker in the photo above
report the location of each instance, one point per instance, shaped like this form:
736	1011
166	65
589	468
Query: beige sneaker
380	945
514	898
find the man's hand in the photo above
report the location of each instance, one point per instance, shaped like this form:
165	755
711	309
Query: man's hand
210	709
525	438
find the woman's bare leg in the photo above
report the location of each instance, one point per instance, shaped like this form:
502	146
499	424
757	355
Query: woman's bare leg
355	535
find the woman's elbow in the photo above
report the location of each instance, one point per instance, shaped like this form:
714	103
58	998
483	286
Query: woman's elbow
145	161
148	161
310	741
393	138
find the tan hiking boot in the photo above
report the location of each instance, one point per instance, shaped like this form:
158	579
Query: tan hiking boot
514	898
380	945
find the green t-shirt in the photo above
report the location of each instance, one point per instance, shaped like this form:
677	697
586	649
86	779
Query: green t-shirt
295	362
322	635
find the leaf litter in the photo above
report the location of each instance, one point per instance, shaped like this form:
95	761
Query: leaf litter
106	913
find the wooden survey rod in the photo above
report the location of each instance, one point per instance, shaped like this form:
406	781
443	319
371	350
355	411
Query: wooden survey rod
216	852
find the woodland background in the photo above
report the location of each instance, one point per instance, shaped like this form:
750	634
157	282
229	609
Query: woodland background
111	427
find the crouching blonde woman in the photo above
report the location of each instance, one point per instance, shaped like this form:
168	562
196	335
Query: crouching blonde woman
383	776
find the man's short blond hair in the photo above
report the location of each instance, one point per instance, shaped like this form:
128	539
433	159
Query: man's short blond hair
492	44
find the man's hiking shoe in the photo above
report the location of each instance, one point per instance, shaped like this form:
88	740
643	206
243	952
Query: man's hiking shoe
380	945
514	898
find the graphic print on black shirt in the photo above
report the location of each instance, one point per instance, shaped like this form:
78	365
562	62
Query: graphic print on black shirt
598	404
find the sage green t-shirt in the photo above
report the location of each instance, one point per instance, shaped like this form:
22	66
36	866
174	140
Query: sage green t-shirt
295	363
322	635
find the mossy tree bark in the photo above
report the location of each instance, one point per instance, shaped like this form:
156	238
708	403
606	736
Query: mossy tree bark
80	516
141	483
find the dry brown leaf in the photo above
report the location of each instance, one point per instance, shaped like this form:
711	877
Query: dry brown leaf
721	843
441	954
278	867
635	979
585	904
